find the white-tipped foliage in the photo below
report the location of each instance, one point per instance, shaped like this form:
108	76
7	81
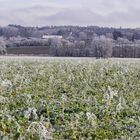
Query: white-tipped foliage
69	99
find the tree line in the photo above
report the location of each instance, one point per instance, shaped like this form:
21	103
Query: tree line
91	41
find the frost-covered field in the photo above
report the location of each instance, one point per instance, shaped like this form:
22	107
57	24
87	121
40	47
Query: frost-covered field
85	99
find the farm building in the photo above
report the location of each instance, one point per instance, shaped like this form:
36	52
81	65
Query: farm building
52	36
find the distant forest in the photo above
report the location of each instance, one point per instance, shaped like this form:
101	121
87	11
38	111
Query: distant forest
76	41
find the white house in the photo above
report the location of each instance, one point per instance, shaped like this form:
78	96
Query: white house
52	36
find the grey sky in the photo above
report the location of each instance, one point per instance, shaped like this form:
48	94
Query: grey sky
114	13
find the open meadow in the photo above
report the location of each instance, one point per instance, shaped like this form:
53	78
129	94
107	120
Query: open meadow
77	99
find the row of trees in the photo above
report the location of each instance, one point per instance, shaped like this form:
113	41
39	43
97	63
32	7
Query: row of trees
77	41
99	46
65	31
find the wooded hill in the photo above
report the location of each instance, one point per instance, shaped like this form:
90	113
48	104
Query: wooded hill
77	41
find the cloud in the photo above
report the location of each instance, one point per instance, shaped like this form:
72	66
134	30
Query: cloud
75	17
87	17
75	12
27	16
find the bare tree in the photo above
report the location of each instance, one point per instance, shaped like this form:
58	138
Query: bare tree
102	46
124	47
82	36
2	46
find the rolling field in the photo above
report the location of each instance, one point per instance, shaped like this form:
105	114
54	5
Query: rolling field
75	99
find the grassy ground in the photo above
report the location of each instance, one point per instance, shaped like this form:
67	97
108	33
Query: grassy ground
69	99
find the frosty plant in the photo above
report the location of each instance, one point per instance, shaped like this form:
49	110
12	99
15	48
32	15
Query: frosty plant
69	99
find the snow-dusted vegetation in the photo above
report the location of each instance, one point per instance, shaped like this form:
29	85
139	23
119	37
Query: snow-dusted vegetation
69	99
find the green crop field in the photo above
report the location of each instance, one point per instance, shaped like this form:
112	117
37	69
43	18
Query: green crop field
69	99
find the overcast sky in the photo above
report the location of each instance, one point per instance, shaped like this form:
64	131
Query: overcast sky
113	13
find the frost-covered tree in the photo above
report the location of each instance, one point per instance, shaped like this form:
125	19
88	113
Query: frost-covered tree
2	46
102	46
82	36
